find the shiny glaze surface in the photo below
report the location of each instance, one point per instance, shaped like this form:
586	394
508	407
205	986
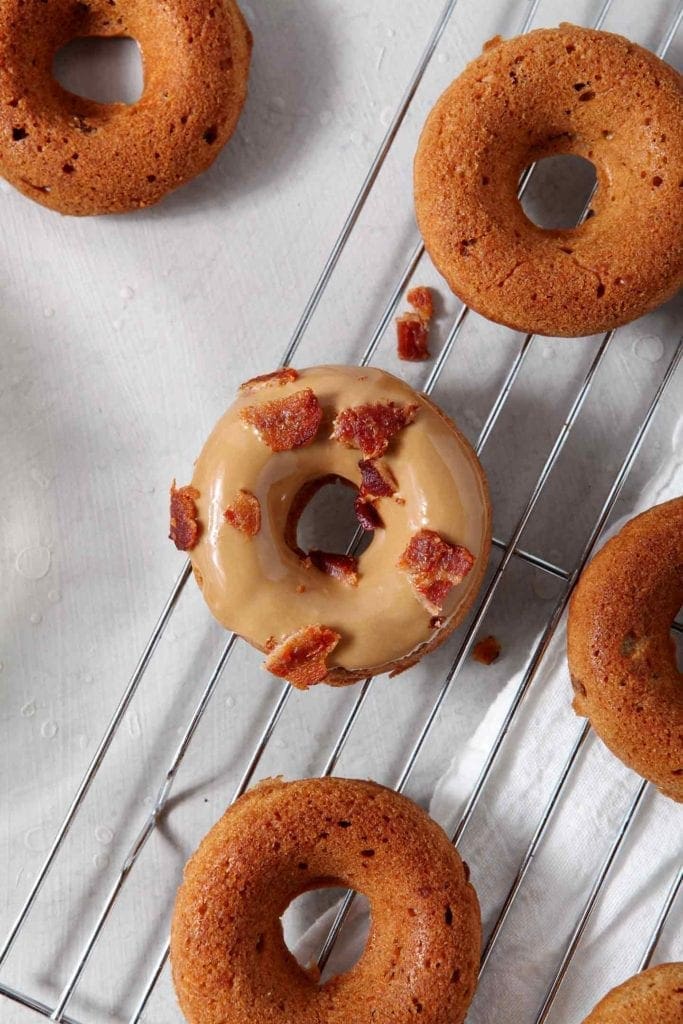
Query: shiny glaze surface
253	585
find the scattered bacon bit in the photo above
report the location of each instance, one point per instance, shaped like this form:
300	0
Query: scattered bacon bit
367	515
244	513
339	567
301	589
301	657
377	480
184	530
436	622
286	423
420	298
486	651
268	380
411	337
433	567
371	427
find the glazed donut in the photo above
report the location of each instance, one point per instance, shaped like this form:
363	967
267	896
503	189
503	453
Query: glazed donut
228	956
563	90
653	997
622	659
419	486
78	156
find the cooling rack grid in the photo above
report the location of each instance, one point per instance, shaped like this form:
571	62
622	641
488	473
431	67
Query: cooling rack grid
511	554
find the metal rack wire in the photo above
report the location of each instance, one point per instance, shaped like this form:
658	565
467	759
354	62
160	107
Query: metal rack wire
510	550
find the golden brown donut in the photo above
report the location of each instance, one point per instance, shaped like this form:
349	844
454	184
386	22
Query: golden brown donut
563	90
622	658
78	156
229	960
420	489
653	997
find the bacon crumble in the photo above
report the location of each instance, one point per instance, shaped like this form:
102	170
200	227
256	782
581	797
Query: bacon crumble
434	567
244	513
371	427
339	567
420	298
277	378
301	657
286	423
184	528
377	480
486	651
412	329
412	336
367	515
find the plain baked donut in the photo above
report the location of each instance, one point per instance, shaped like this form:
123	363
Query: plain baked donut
419	486
652	997
563	90
622	658
229	960
78	156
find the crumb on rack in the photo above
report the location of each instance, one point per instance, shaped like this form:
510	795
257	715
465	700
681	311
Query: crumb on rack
486	650
420	298
412	337
412	329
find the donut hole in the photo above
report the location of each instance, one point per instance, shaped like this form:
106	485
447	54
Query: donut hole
327	521
558	191
104	69
308	908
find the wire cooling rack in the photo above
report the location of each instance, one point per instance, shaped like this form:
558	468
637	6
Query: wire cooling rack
509	552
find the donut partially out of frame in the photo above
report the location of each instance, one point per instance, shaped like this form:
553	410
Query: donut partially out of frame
78	156
622	657
229	959
652	997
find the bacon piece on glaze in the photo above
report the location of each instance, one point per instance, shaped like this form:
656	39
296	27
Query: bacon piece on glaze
268	380
367	515
486	651
434	567
420	298
286	423
411	337
339	567
371	427
244	513
301	658
184	530
377	480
